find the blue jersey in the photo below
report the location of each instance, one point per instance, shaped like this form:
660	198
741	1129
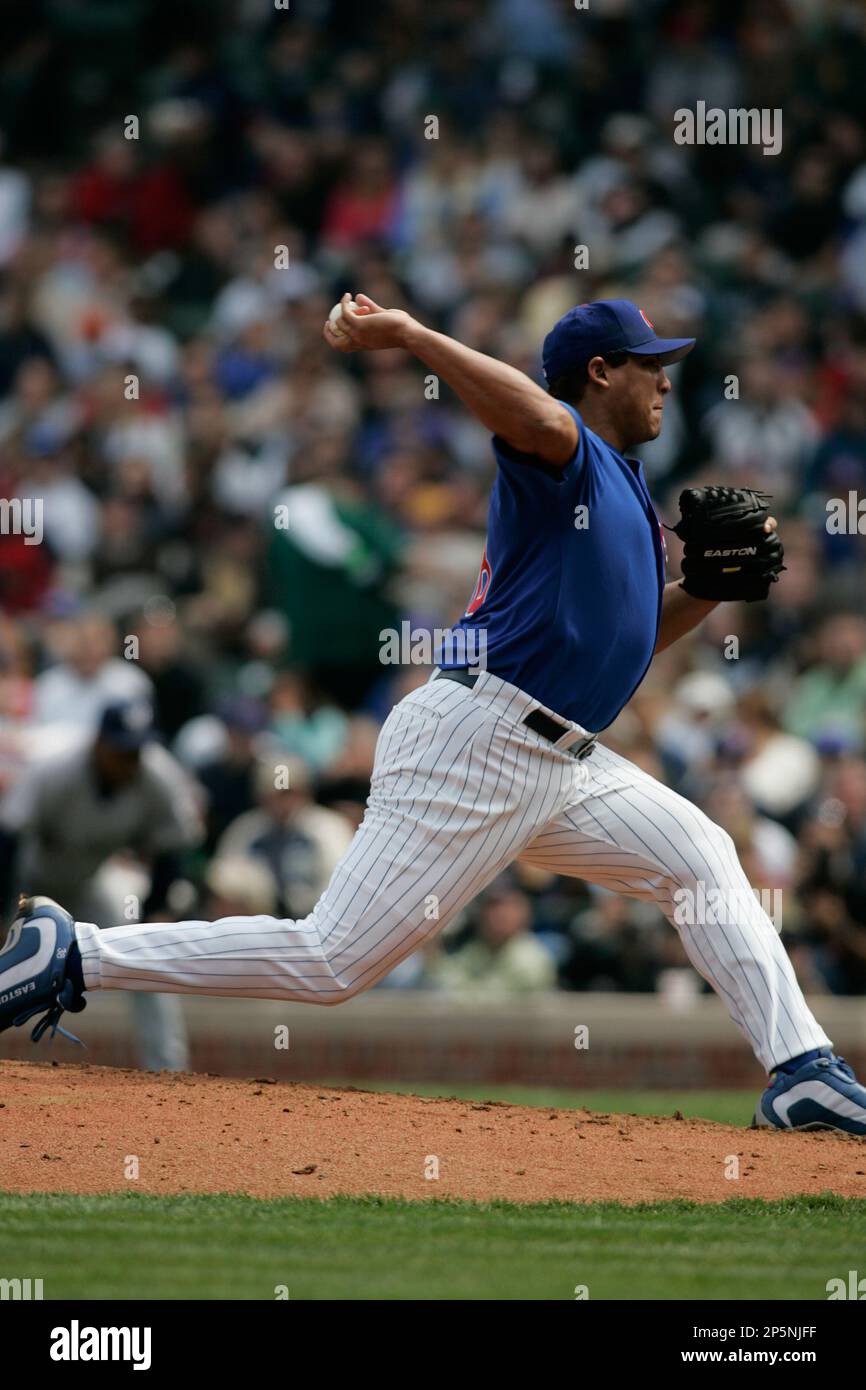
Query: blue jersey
569	598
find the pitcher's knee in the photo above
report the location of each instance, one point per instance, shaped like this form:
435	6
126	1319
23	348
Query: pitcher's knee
342	984
710	856
339	992
710	875
700	857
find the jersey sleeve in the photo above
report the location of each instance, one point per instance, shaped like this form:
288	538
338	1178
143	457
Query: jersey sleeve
506	454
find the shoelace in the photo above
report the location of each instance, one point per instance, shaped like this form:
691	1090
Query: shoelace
843	1067
67	999
838	1063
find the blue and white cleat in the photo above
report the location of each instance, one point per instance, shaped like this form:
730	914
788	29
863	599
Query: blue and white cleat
822	1094
33	968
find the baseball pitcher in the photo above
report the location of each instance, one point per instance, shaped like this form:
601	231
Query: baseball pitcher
480	767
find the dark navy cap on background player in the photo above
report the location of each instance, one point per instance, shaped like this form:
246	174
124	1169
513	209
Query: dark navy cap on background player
127	725
608	325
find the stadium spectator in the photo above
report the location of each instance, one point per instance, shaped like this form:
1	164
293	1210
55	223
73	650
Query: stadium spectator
229	778
829	698
298	841
86	675
238	887
502	956
66	820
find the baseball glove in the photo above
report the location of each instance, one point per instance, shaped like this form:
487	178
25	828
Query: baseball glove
728	554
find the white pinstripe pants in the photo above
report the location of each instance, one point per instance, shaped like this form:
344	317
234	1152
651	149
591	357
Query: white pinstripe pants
460	789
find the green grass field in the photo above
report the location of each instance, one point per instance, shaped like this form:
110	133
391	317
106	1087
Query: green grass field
217	1247
200	1247
728	1107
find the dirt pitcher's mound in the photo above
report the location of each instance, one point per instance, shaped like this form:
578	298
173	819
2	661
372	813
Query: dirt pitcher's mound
99	1129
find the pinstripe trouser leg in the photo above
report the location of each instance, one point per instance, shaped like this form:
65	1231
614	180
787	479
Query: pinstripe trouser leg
628	832
459	788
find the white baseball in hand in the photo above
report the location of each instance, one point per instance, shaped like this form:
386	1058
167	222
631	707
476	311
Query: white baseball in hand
335	317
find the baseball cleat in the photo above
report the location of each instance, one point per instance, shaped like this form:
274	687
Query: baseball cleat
33	968
822	1094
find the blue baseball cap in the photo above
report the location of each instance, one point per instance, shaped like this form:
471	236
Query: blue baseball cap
127	725
608	325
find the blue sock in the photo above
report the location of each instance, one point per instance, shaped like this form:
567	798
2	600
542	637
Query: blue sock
74	969
797	1062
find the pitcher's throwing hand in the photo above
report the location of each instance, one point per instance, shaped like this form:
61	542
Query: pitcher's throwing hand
367	326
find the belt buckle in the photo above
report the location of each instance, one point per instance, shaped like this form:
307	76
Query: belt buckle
583	750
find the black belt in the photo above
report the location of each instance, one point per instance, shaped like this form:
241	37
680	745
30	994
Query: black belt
538	722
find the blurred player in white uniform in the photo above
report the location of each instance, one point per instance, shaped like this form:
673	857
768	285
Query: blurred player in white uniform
68	815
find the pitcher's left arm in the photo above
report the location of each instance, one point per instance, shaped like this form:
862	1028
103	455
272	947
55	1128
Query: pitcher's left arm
680	613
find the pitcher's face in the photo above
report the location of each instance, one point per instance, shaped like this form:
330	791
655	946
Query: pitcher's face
638	391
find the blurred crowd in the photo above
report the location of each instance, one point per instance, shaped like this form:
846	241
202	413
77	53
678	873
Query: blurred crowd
184	193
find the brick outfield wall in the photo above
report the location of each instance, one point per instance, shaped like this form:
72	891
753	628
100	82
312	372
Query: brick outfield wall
649	1066
634	1067
635	1042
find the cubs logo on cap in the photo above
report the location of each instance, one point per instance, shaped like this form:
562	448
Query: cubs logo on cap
603	327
